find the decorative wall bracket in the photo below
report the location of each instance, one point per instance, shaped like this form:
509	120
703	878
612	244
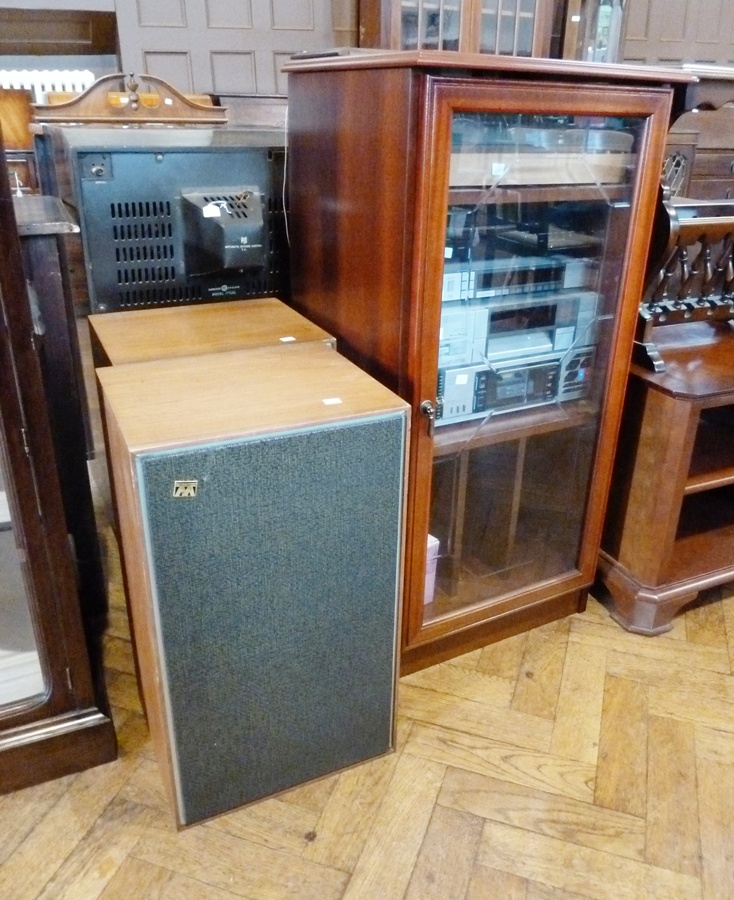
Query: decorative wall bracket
117	99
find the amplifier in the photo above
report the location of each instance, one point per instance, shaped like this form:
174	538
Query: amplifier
473	392
172	215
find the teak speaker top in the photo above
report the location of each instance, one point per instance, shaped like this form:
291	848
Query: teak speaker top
141	335
225	396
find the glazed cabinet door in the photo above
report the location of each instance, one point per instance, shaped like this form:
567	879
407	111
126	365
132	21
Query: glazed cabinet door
529	287
506	27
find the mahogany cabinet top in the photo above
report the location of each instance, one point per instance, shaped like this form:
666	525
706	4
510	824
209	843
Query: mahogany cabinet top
443	62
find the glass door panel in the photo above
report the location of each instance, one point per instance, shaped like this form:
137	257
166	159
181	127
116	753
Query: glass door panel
525	28
21	676
536	228
507	27
430	24
506	30
488	27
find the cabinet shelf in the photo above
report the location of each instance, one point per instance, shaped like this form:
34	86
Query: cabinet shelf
707	481
489	589
531	193
512	426
712	462
705	536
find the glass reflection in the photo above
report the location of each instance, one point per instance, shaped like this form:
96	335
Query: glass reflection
21	676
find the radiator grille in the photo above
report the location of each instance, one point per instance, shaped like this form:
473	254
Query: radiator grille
41	82
164	296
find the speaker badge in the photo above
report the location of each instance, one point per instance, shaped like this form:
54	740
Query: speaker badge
185	488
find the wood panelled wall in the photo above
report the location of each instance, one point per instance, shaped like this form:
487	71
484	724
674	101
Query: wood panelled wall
228	46
679	31
238	46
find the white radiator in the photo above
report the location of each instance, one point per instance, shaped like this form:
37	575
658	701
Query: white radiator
39	82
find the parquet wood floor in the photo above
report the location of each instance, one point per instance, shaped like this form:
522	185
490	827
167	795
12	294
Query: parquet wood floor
572	761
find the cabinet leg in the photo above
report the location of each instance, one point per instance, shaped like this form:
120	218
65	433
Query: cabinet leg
638	608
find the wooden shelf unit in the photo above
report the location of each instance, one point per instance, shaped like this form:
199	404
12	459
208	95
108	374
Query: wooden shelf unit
670	525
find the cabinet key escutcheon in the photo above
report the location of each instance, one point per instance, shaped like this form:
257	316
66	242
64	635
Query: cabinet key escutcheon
428	409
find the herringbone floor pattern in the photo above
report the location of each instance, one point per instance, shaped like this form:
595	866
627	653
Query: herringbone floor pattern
572	761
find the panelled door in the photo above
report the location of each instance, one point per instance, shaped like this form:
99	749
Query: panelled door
228	46
669	32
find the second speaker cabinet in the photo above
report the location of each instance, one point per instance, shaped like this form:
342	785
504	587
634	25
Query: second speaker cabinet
260	498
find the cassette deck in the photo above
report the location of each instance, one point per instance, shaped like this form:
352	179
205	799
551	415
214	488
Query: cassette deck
515	347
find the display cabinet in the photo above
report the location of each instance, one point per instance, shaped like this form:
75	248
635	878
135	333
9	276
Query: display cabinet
44	226
511	27
54	715
592	29
474	232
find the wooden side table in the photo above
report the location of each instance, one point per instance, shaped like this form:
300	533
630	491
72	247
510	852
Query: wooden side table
669	532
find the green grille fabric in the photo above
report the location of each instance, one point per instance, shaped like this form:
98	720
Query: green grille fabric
275	590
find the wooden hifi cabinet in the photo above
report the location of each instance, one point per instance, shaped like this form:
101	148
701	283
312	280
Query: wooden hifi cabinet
473	231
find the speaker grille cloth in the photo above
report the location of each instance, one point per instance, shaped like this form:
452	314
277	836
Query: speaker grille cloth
276	595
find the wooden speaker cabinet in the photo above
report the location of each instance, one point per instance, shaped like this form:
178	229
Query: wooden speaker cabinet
260	499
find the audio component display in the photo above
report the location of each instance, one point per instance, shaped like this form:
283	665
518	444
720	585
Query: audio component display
514	351
470	392
513	327
483	279
492	278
